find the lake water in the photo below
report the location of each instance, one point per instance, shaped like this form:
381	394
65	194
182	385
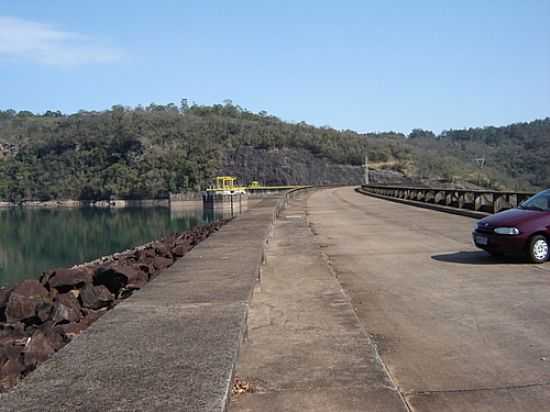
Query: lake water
35	240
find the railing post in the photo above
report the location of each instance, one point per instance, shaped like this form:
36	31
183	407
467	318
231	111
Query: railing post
478	202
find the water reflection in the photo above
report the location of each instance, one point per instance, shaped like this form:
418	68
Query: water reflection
34	240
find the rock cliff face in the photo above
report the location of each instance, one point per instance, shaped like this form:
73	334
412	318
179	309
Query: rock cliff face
288	167
299	167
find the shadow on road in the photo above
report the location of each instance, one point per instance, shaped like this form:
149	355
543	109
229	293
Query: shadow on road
477	258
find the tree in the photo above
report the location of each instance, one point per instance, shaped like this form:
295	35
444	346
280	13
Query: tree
137	153
421	134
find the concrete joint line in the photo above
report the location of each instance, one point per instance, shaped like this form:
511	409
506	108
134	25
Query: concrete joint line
331	269
244	327
496	388
243	335
395	387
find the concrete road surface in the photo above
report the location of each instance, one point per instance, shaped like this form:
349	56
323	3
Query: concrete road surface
306	348
456	329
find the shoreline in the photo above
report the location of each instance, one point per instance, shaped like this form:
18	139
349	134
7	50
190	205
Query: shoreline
103	204
53	204
40	316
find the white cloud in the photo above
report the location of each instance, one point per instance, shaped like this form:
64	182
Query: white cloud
45	44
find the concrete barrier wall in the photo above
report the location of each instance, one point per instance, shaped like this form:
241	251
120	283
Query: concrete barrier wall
486	201
265	192
185	197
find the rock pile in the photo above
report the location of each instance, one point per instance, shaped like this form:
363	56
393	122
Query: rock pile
38	317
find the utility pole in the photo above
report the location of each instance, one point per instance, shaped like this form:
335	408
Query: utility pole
480	161
366	169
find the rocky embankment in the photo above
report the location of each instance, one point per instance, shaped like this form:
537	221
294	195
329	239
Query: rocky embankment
39	317
287	166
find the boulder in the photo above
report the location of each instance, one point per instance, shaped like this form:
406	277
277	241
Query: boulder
45	277
14	339
10	351
117	276
170	239
11	329
75	292
44	311
148	269
11	367
161	263
185	236
105	277
73	329
95	297
111	279
66	279
162	250
4	296
126	260
181	249
25	299
66	309
147	260
54	292
90	316
40	347
149	251
137	278
136	255
70	330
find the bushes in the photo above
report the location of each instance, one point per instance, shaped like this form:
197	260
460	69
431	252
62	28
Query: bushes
146	152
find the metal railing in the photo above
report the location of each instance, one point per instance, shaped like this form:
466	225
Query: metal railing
476	200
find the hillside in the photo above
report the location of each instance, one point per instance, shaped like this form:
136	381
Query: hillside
147	152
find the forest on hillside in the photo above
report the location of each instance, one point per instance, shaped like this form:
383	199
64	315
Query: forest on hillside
146	152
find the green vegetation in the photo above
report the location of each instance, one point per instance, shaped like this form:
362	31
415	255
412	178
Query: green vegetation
516	157
147	152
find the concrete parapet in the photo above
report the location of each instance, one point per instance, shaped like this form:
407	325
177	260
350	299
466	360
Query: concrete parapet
483	201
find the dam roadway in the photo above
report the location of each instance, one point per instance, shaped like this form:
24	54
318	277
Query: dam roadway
321	300
431	323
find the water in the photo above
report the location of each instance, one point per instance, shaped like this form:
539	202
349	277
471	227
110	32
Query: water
35	240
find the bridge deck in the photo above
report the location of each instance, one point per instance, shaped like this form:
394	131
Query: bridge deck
457	329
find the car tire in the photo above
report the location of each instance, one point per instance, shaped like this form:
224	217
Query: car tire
538	249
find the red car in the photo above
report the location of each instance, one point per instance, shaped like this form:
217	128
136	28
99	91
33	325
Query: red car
524	230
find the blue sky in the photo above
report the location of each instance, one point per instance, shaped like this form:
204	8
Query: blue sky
361	65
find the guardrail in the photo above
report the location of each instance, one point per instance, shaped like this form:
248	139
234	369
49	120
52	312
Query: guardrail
282	203
476	200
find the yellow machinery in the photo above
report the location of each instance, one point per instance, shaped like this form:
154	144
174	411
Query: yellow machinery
229	184
225	184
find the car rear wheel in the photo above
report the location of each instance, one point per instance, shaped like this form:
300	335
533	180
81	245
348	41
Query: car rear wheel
538	249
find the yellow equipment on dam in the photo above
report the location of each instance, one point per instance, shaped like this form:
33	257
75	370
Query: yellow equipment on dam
226	194
229	185
225	184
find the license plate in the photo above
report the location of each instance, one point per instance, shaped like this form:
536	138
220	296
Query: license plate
481	240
